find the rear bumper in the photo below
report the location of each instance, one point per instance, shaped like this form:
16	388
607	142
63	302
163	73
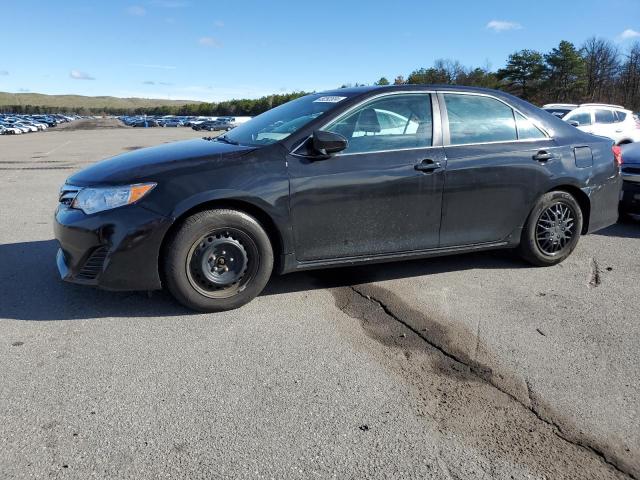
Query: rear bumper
630	198
114	250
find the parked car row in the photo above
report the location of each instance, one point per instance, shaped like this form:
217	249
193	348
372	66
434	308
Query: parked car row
612	121
11	124
197	123
220	123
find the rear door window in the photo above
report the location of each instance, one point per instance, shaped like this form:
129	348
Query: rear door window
479	119
605	116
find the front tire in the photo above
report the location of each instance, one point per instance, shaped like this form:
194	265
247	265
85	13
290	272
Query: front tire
552	230
218	260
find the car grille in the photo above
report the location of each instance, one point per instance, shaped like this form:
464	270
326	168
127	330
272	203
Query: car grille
634	170
94	264
68	194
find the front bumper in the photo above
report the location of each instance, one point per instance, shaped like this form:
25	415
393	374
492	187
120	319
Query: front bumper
116	250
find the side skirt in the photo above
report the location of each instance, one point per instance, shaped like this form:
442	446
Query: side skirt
290	264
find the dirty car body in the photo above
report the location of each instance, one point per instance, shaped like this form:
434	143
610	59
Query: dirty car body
455	185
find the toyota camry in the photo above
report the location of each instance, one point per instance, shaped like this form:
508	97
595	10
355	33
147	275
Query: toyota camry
345	177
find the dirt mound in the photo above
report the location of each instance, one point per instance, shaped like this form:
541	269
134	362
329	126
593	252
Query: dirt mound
92	124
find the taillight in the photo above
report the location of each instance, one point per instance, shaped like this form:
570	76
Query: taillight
617	154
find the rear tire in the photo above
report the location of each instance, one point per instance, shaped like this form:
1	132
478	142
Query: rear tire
218	260
552	230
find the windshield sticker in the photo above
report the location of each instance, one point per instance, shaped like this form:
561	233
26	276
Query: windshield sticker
329	99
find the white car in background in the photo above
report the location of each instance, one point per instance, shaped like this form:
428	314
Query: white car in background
24	127
559	109
611	121
9	130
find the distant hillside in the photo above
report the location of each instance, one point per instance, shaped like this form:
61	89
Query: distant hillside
75	102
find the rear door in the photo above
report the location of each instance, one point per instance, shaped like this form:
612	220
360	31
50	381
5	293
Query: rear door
497	163
605	124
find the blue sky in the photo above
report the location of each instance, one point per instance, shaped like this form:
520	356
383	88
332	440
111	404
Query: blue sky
206	50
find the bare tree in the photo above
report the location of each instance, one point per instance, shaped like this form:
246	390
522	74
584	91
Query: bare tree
601	69
630	78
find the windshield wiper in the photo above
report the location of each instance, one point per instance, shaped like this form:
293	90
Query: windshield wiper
223	138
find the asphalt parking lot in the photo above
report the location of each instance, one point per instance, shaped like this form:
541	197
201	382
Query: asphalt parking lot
476	366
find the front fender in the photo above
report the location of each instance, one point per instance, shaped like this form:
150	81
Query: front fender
275	212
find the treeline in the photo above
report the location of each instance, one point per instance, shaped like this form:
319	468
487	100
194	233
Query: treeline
242	107
596	71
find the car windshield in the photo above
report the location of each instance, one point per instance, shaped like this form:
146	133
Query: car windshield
280	122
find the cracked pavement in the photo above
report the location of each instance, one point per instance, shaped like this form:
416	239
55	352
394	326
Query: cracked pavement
476	366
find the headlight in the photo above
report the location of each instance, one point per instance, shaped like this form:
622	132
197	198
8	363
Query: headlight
92	200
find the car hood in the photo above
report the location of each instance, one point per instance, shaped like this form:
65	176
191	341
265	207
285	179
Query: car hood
631	153
147	164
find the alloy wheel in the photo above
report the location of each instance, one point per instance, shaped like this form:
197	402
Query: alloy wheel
555	228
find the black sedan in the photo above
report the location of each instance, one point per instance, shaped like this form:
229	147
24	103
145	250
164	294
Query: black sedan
345	177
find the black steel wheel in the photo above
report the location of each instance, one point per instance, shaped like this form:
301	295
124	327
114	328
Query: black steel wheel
217	260
222	262
552	229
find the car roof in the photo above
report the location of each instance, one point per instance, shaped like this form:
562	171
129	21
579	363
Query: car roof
604	105
351	91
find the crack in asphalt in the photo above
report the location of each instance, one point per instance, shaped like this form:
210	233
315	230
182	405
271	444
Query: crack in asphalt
595	279
533	406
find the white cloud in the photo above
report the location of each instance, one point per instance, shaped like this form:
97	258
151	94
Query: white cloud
149	82
209	42
218	24
136	10
629	34
502	26
78	75
4	72
153	65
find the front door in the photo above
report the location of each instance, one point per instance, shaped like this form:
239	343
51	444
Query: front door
382	194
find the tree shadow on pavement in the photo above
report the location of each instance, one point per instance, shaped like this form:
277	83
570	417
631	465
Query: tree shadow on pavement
358	275
30	289
625	228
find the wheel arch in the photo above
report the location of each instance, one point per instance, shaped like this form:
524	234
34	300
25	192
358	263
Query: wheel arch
583	201
264	219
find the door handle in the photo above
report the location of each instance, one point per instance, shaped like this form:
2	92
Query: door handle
543	156
427	166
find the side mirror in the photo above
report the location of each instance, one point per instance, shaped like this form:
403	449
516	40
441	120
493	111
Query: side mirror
328	143
574	123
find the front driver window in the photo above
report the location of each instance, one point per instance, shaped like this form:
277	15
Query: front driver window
389	123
